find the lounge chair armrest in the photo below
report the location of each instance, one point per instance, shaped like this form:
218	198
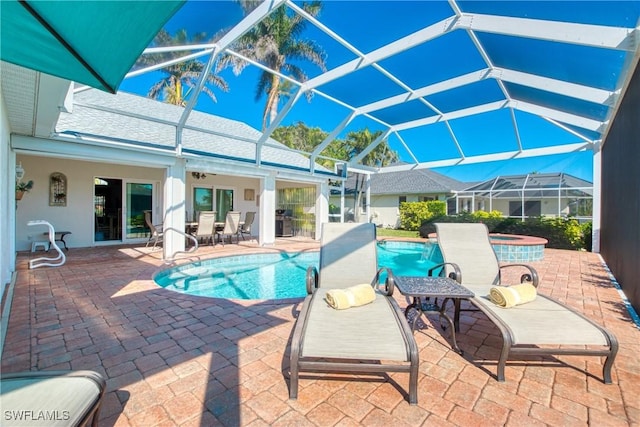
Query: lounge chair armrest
532	276
312	280
389	283
456	274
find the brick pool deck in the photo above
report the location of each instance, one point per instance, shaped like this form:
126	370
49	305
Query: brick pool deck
176	360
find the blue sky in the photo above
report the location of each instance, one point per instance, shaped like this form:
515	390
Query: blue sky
387	21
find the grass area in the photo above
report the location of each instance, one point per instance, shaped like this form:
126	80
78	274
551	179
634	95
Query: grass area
389	232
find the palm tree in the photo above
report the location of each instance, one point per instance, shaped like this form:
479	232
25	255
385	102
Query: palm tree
275	42
181	75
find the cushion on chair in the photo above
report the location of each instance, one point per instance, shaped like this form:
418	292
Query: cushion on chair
366	332
537	322
49	401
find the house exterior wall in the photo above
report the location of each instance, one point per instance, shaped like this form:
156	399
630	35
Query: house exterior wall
385	209
235	183
620	200
78	215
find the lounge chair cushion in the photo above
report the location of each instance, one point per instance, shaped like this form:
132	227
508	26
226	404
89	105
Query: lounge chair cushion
537	322
50	401
358	333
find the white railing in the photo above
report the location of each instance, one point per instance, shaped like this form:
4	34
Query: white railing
182	233
48	261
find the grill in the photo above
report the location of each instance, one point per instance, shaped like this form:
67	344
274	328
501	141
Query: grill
283	223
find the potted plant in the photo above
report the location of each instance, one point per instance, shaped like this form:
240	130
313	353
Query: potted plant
23	187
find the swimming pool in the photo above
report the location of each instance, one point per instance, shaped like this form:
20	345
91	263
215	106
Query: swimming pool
282	275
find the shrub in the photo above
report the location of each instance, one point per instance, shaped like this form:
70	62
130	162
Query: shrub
587	235
561	233
413	214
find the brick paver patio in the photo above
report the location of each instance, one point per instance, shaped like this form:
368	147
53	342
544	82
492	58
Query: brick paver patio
172	359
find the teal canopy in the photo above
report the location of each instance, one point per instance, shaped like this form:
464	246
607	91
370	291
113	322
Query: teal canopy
89	42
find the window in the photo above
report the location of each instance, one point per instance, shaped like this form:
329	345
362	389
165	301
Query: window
202	201
402	199
428	198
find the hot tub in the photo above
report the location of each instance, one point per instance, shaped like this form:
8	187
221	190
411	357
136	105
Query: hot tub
514	247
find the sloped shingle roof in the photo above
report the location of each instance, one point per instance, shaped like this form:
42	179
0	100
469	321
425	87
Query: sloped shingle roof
421	181
150	122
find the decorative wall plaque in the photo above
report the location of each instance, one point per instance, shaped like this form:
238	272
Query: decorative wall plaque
57	189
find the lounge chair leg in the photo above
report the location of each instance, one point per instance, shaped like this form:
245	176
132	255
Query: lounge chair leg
413	384
608	362
293	382
502	362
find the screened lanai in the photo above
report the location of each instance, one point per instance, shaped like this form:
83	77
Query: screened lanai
530	195
446	83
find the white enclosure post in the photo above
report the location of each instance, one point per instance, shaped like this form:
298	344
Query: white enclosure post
174	208
597	198
267	220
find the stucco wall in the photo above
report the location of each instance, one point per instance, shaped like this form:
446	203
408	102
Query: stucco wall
78	215
385	209
7	177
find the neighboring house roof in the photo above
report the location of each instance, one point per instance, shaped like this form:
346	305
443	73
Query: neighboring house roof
143	121
535	185
420	181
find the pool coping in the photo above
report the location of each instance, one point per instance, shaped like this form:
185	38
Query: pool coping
515	239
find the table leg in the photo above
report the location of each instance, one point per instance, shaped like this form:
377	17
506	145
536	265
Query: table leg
456	314
63	242
454	343
416	306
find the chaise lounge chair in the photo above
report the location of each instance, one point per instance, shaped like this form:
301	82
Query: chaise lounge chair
371	338
543	326
51	398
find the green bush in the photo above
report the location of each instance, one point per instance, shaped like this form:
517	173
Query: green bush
587	234
413	214
561	233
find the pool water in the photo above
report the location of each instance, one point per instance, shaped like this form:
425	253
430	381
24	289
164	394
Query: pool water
282	275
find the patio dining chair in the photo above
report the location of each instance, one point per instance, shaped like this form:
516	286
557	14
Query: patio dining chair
373	338
245	227
231	225
543	326
155	230
206	226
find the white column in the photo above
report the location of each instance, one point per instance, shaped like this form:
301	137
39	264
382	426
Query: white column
342	200
597	197
322	206
174	208
267	220
8	207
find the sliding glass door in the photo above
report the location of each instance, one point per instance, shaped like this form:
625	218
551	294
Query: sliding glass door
139	198
224	203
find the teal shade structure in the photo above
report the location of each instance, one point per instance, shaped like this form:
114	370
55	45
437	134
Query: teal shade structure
90	42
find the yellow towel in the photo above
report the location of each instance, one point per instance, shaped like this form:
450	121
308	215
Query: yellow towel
509	296
353	296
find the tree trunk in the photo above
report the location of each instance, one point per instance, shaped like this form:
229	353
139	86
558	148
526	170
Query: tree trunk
272	103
